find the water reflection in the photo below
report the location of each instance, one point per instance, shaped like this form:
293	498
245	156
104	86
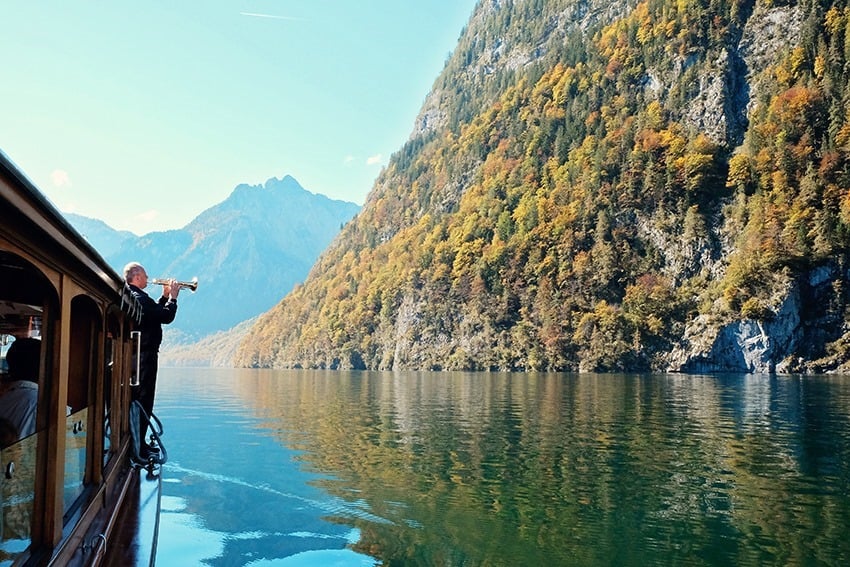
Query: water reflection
233	495
507	469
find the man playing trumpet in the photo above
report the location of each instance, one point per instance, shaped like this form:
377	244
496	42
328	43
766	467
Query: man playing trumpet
155	314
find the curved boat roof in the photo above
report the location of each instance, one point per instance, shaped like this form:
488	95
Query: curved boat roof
55	229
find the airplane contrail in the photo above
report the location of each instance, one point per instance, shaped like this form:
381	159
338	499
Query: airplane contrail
270	16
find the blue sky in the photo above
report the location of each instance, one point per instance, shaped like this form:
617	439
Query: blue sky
144	114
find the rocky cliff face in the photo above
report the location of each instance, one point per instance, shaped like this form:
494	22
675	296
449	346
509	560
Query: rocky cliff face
485	53
788	339
746	345
798	319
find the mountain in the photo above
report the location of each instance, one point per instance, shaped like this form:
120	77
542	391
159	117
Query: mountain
247	252
103	237
602	186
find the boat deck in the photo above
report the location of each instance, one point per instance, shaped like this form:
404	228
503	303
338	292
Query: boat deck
136	528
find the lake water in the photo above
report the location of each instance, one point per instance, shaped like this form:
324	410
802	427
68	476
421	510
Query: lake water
360	468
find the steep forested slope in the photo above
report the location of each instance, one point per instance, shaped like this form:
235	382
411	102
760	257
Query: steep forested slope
601	186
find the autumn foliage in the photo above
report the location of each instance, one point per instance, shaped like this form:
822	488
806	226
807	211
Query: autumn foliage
580	219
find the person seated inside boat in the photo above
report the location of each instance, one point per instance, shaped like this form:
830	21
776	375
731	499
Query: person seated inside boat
8	433
20	397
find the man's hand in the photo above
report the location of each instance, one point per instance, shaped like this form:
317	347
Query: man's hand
172	289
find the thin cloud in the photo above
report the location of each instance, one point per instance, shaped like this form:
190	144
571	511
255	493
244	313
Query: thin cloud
374	160
348	160
268	16
148	216
60	178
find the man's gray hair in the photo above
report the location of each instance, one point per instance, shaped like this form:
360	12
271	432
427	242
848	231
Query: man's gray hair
131	269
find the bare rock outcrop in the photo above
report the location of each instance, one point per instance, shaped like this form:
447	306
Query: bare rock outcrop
773	343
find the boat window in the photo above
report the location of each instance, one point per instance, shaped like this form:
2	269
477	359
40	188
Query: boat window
18	442
128	349
85	334
24	361
111	392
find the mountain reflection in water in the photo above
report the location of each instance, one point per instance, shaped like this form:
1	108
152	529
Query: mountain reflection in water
360	468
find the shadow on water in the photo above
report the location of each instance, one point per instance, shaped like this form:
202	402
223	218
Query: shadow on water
335	468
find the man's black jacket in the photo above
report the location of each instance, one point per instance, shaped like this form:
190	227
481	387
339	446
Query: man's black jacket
155	314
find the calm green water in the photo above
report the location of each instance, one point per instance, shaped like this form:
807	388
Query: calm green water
335	468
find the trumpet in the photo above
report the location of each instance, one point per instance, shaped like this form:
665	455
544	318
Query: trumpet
191	285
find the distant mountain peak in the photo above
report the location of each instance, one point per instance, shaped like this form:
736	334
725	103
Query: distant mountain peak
100	235
261	240
285	184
